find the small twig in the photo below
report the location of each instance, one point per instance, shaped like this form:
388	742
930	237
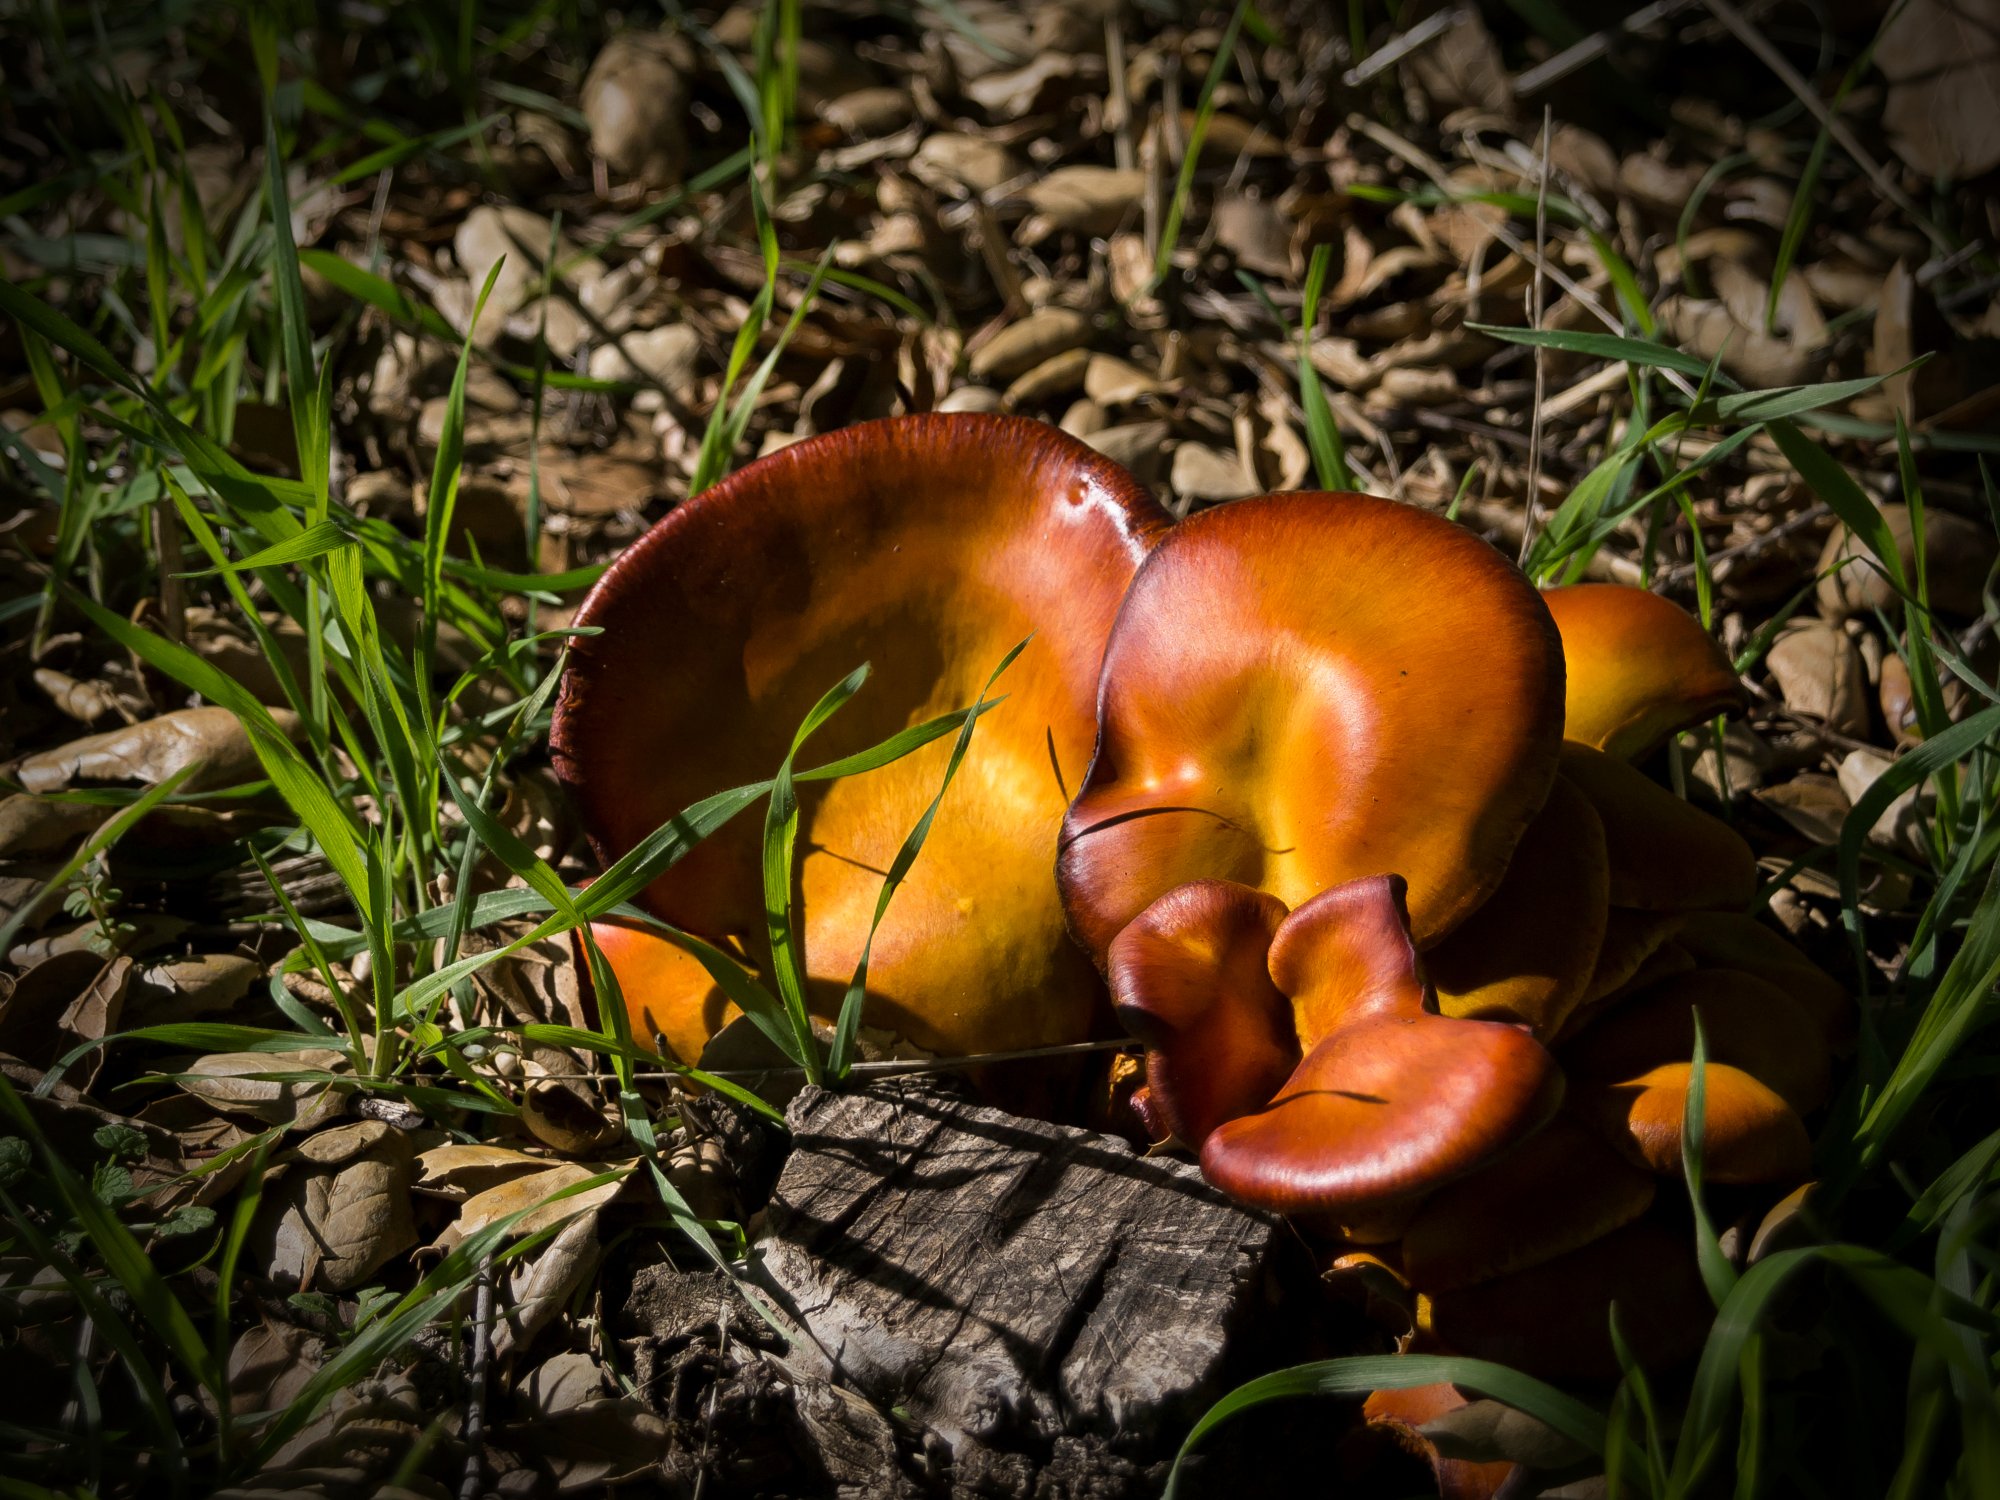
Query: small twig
1118	104
1397	48
475	1379
1762	542
1773	59
1537	294
1592	47
893	1068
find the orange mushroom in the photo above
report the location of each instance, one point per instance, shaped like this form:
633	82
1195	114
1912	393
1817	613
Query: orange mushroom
1388	1099
1402	1415
928	546
1307	689
1640	667
1749	1133
1531	951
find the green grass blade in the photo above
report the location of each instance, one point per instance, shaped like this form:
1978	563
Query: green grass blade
1716	1272
1170	233
849	1024
781	830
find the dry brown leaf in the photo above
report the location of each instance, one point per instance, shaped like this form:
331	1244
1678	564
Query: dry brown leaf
1057	376
1022	345
341	1223
1117	382
151	751
1085	200
1255	231
83	700
869	111
1958	555
460	1170
1204	473
1819	672
561	1384
540	1286
1462	68
635	102
1812	804
269	1366
558	1115
225	1080
951	163
530	1192
63	1000
185	988
1942	59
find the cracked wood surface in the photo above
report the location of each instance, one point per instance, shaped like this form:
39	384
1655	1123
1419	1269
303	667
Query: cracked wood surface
1002	1279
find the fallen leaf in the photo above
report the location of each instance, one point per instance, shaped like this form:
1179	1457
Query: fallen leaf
530	1192
225	1079
1942	60
151	751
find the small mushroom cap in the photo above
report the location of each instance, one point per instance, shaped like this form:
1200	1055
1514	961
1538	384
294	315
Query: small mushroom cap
1557	1191
1749	1025
1189	979
928	546
1749	1134
1391	1100
1640	668
1552	1320
1402	1415
1731	940
1305	689
1530	953
1665	854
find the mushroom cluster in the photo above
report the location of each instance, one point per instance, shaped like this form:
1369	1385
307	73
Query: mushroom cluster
1361	853
1415	951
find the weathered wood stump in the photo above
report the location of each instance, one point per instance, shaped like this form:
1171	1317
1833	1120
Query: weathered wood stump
1005	1282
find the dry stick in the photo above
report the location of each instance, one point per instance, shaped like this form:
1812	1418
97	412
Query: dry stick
1397	48
1118	109
1773	59
173	593
892	1068
1592	47
475	1379
1537	296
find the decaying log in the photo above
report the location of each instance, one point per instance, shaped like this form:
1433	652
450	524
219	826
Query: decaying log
1003	1281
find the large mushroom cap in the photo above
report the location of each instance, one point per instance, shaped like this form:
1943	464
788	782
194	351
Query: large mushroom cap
1306	689
928	546
1640	668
